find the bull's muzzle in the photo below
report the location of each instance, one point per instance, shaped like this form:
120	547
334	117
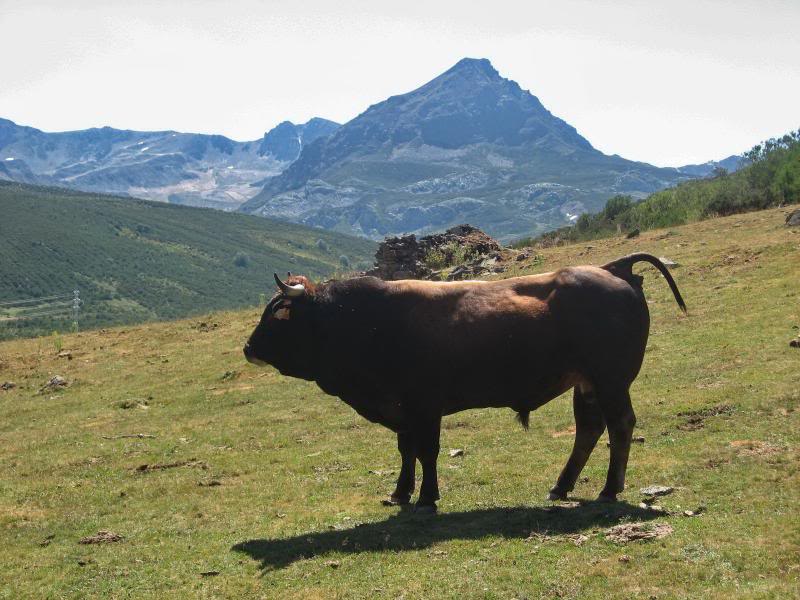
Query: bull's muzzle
248	354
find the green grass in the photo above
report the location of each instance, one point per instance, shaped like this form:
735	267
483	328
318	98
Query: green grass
301	476
134	260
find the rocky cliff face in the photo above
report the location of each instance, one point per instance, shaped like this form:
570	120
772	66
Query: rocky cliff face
467	146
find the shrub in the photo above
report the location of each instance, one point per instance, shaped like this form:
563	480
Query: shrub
241	260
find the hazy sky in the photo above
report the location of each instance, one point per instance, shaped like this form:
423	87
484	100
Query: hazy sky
664	82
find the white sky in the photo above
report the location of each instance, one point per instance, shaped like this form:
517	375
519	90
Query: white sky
669	83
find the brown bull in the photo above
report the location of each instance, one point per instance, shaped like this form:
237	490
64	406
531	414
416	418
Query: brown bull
405	353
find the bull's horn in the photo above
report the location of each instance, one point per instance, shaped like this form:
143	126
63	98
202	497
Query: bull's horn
291	291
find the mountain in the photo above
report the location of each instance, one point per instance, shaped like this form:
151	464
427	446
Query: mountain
182	168
136	260
286	140
731	164
468	146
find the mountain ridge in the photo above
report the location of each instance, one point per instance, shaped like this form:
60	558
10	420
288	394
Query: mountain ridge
183	168
467	146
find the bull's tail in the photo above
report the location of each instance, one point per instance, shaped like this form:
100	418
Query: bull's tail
623	268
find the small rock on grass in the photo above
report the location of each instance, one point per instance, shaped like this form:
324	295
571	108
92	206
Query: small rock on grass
7	385
630	532
102	537
333	564
657	490
694	513
456	452
795	343
209	573
56	381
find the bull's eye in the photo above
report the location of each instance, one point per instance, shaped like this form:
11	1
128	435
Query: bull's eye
282	313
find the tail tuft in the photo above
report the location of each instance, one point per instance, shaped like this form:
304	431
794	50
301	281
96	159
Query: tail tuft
523	416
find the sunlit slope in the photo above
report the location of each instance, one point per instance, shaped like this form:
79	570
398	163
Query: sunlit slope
134	260
272	490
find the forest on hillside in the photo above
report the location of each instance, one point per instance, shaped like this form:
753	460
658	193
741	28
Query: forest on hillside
770	178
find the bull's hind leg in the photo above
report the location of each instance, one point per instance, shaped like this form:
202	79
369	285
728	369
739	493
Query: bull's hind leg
589	426
405	481
620	419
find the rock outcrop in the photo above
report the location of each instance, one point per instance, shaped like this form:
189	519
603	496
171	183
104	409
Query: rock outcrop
460	252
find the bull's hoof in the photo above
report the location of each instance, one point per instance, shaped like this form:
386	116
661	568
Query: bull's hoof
606	497
394	500
557	494
425	509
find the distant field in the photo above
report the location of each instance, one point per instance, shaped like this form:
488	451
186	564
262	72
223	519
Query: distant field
258	486
135	261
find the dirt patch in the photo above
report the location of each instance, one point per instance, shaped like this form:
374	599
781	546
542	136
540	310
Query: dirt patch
564	432
160	467
755	448
695	419
102	537
632	532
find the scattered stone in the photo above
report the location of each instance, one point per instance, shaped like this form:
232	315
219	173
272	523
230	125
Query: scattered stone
630	532
209	573
795	343
228	375
7	385
47	540
696	512
793	218
102	537
333	564
657	490
653	507
668	262
633	234
54	383
624	558
456	452
579	539
65	354
141	436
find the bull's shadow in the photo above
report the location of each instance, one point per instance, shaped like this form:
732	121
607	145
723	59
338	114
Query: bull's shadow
408	531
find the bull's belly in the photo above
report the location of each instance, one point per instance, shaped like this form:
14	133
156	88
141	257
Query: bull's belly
523	393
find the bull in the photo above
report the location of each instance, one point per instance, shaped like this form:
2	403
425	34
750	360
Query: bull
406	353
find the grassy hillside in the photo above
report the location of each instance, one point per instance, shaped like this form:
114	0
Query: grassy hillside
135	261
771	178
258	486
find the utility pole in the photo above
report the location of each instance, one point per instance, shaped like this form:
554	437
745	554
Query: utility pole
76	306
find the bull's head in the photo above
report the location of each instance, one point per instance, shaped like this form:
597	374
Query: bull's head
283	336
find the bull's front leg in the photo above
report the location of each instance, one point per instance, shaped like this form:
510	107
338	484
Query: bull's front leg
405	481
426	441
